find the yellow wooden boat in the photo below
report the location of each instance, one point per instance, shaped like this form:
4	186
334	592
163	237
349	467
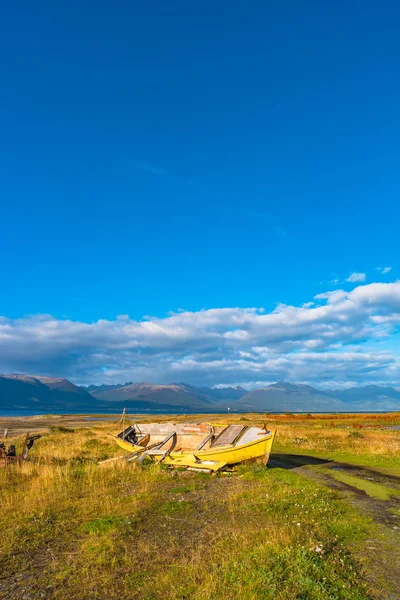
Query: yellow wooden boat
130	438
184	445
233	445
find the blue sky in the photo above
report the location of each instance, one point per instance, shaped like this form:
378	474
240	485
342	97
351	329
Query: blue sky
160	157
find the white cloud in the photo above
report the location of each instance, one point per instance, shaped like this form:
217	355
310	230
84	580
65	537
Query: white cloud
384	270
337	337
356	277
332	297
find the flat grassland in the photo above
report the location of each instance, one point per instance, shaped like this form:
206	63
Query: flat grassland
321	522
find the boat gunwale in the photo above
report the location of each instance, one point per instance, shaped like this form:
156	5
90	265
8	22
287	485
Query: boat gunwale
222	449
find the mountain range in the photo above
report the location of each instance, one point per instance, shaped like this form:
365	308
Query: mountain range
34	392
48	394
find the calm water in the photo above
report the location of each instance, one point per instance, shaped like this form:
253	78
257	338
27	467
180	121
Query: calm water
30	413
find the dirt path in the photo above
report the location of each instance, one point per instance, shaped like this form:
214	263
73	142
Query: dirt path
374	494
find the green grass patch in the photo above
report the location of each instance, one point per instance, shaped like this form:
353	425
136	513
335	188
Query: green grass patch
372	489
386	463
173	507
182	489
60	429
104	525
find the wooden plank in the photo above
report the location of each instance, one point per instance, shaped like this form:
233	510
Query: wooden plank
228	435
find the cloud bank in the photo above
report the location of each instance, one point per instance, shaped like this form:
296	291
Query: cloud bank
339	338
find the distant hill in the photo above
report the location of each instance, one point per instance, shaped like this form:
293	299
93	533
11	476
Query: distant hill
283	396
147	396
370	397
225	393
38	393
51	394
142	396
103	388
42	393
216	394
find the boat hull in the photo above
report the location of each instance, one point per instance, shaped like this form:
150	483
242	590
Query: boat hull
125	445
232	445
216	459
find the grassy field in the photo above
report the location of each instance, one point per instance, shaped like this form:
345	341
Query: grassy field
359	439
72	528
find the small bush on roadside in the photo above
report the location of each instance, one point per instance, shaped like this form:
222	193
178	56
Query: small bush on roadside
356	435
60	429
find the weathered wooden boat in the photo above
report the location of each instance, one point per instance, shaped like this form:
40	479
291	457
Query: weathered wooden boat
130	437
197	446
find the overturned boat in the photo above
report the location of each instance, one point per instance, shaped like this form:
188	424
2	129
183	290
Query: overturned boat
196	446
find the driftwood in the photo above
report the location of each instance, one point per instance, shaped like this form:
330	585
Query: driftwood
9	455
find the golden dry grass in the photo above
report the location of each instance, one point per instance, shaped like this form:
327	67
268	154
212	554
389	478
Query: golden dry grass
74	528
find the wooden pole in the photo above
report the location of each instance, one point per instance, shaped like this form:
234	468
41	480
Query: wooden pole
123	423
